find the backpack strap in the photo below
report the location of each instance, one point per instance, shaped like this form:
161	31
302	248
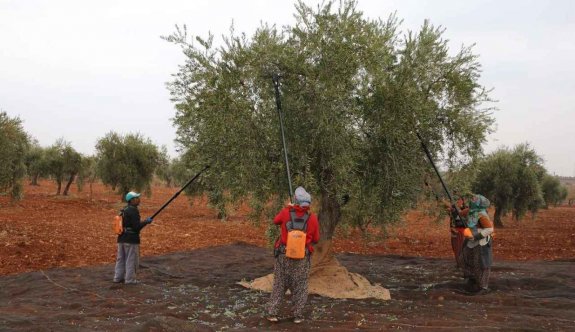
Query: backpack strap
295	220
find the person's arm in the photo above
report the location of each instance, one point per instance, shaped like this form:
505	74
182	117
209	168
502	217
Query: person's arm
143	223
483	229
486	226
281	216
315	234
134	221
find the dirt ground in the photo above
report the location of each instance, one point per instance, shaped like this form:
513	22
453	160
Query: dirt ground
57	257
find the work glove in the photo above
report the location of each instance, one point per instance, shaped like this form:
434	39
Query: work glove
476	234
473	233
148	220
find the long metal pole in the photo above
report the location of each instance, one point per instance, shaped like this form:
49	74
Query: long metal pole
276	80
179	192
455	218
426	150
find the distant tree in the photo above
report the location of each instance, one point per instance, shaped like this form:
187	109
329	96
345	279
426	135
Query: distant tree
570	194
126	162
63	162
111	157
72	166
163	170
36	163
564	194
511	180
88	173
180	171
55	163
553	191
353	91
14	144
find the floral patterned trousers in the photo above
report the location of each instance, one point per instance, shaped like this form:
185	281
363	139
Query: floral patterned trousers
290	274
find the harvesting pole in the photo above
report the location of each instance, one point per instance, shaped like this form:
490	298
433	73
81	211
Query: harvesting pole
179	192
456	219
428	154
276	80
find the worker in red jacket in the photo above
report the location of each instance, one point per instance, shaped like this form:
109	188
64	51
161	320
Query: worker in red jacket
299	232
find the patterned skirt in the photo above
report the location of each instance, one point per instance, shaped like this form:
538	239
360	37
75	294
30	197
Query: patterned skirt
477	265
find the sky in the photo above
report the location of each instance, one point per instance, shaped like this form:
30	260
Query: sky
80	69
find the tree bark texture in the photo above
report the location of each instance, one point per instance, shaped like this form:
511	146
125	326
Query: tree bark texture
497	217
59	181
35	179
70	181
329	216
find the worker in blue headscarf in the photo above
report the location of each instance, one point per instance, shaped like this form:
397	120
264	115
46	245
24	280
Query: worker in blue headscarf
477	250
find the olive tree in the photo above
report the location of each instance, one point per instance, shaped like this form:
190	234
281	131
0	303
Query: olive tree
14	144
63	162
510	179
353	92
55	163
36	163
88	173
126	162
553	191
163	171
72	166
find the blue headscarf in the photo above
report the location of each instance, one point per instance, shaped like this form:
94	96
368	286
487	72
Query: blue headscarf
477	205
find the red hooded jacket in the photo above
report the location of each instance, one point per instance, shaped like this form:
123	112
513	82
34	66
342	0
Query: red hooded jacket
312	233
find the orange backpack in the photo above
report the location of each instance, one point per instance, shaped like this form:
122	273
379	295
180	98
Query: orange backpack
117	224
296	238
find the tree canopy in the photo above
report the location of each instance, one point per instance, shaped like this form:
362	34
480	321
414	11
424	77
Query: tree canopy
63	162
14	144
36	163
88	172
126	162
353	92
511	178
553	191
164	169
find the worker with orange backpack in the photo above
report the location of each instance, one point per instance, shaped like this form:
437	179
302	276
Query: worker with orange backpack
299	231
128	257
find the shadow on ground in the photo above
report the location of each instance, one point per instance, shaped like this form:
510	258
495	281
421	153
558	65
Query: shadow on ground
197	291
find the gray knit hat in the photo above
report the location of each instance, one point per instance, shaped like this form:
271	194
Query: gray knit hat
302	198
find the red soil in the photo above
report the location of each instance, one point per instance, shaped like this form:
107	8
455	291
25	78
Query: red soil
44	231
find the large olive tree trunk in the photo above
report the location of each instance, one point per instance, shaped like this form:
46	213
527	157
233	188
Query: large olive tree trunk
329	217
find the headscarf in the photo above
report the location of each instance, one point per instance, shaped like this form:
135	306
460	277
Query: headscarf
302	197
478	204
